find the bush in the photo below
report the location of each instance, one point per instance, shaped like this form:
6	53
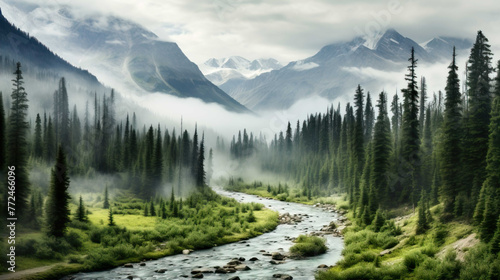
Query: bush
79	224
74	239
308	246
26	247
75	259
412	260
440	235
99	259
95	235
123	251
44	252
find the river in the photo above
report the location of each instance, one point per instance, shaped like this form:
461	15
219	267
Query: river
178	266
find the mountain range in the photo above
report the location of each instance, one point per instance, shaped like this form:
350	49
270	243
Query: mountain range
236	68
123	54
338	68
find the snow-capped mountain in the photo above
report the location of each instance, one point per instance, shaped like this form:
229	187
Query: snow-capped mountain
236	69
338	68
121	53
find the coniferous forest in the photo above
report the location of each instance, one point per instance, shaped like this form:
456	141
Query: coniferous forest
435	156
413	178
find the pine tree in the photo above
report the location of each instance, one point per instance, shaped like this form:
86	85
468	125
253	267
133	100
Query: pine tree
450	150
50	142
57	209
105	204
369	118
475	140
146	211
210	164
358	144
381	151
81	213
111	221
423	98
378	221
495	242
410	140
152	209
422	222
194	154
201	176
488	225
38	147
16	151
158	159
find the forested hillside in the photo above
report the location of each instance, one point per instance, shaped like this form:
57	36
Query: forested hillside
418	151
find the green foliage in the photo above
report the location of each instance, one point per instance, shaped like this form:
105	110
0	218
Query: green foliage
306	246
57	209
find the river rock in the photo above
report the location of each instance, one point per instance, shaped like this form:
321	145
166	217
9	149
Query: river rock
277	256
253	259
322	266
234	278
276	262
234	262
162	270
242	267
128	265
142	264
185	252
283	276
203	270
241	259
198	275
220	270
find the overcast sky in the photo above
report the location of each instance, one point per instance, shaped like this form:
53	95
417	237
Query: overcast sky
290	30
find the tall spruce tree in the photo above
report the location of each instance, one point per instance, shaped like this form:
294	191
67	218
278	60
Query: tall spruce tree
38	145
81	213
369	118
17	154
475	141
200	176
381	151
410	140
57	209
105	204
452	129
491	186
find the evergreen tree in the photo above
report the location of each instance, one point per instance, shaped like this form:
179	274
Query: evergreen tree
57	209
378	221
194	154
358	144
152	209
369	118
488	225
111	221
475	141
16	151
450	150
495	242
105	204
410	140
81	213
423	98
422	222
38	145
200	176
50	141
158	159
210	170
146	211
381	151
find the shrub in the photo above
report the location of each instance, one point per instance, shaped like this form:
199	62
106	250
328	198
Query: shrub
440	235
74	239
26	247
412	260
308	246
75	259
98	259
95	235
123	251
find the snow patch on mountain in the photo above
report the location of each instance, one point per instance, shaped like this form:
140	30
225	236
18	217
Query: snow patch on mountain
222	70
301	66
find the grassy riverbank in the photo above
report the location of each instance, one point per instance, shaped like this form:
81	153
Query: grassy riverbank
205	220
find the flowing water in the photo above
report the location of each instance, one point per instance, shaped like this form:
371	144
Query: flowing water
180	266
